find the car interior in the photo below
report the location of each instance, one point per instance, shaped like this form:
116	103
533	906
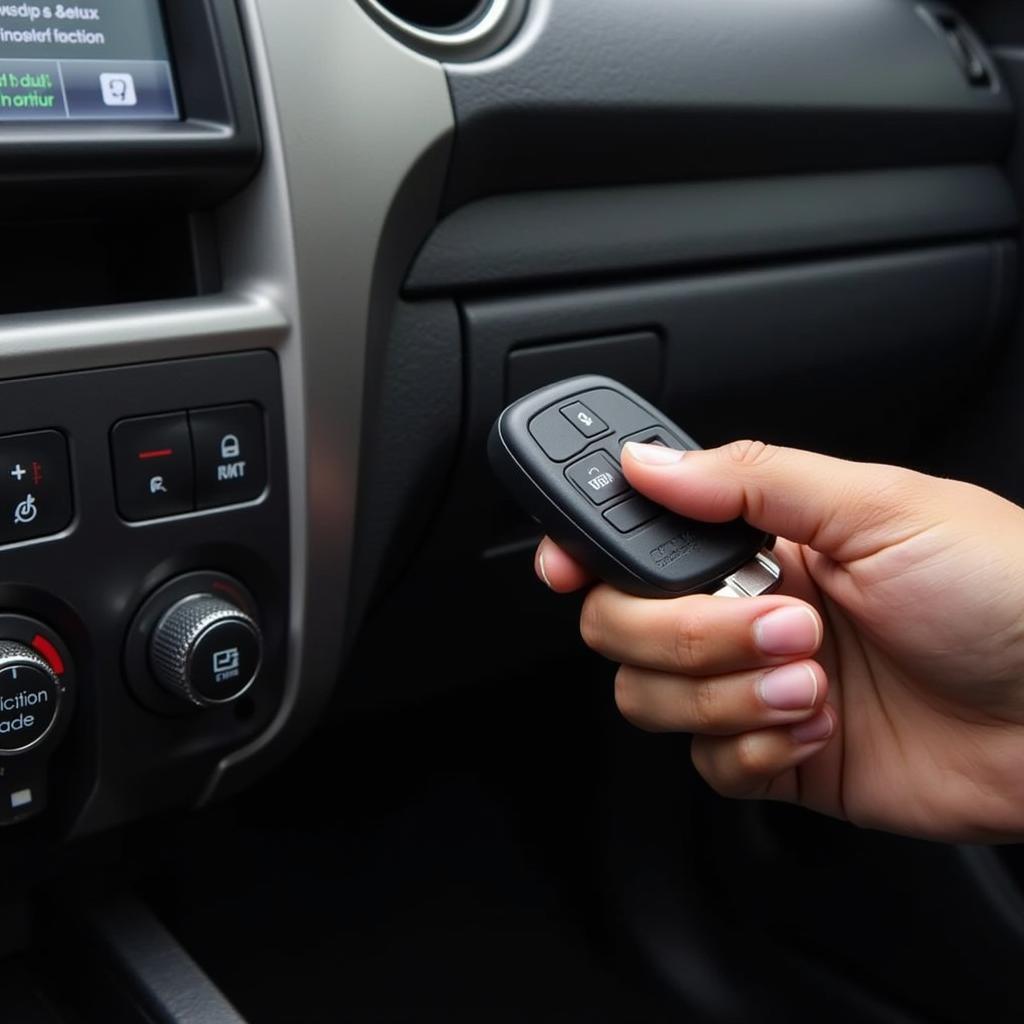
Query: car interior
290	732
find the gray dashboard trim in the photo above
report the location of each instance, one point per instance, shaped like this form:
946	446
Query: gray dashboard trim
532	237
82	339
349	117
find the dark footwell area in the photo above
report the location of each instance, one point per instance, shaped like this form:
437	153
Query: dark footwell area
435	865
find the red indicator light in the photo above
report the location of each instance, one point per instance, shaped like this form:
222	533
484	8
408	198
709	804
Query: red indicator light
49	652
230	591
157	453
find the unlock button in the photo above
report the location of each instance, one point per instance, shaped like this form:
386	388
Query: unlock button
230	454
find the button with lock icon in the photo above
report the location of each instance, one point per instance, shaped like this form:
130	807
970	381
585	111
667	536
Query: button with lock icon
230	454
186	461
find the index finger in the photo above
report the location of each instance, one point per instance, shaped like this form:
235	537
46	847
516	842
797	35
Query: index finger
559	571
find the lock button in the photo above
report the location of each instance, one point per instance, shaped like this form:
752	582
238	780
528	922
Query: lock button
230	455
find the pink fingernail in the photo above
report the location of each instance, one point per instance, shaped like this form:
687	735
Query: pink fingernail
653	454
542	569
790	688
787	631
817	729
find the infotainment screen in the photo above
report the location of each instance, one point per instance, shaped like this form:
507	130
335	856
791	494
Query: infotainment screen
105	60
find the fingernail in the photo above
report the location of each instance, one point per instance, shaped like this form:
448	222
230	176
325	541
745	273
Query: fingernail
787	631
790	688
543	571
817	729
653	454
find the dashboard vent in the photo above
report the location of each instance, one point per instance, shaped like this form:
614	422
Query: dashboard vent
450	30
439	15
964	46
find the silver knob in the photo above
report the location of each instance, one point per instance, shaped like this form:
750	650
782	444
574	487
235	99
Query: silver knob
30	696
206	650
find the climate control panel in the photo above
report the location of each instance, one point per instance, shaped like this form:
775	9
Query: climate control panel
144	583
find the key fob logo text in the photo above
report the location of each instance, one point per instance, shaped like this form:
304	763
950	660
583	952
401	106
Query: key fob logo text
673	549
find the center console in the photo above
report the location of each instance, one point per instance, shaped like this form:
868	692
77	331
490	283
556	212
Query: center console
145	540
187	319
179	415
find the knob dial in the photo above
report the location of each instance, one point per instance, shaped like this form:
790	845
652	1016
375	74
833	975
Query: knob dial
206	650
30	696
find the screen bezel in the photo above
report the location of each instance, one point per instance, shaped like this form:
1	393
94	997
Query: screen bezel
215	141
160	8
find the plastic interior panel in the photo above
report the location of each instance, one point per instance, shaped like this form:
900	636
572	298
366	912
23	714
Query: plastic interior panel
542	236
909	329
706	88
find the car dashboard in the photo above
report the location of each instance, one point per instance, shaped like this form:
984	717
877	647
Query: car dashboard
273	269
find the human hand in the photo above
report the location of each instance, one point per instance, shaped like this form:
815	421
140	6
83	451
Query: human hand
884	684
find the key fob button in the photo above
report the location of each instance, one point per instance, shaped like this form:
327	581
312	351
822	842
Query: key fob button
632	513
587	422
598	478
652	435
557	437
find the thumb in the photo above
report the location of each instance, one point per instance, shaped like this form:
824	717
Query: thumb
846	510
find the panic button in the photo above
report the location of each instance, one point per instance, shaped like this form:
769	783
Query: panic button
230	454
152	466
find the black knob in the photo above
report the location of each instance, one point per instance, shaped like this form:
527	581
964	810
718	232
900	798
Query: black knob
206	650
30	696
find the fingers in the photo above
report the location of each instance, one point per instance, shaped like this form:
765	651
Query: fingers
555	568
755	764
722	706
846	510
699	635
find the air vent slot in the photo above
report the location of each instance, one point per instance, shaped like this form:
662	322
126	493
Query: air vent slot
450	30
964	45
438	15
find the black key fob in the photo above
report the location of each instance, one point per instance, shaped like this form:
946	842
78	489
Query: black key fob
558	452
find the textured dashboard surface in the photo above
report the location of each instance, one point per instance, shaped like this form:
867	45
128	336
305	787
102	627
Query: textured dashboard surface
595	91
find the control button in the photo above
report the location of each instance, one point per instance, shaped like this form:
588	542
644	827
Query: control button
30	694
206	650
585	421
118	89
153	466
653	435
598	478
633	512
22	791
230	454
35	485
225	660
559	439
